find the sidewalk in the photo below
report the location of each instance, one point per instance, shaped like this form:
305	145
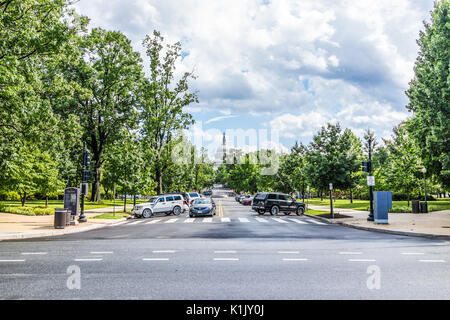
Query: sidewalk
16	226
434	225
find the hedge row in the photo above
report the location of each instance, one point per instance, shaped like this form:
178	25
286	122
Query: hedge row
29	211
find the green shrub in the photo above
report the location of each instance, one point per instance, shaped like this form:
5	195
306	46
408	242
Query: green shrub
29	211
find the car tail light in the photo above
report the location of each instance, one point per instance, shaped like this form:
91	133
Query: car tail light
184	202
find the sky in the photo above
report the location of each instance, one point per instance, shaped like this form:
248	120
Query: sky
283	67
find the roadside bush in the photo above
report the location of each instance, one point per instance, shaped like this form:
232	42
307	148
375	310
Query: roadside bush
11	195
29	211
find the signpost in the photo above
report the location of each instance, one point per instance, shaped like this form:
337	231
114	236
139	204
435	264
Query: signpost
331	200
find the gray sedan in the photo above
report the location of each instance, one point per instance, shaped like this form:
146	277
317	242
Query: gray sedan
202	207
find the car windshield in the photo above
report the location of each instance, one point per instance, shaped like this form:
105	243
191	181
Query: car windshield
193	194
152	200
202	201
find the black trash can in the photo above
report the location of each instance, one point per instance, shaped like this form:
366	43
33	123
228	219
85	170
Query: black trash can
60	218
424	207
415	206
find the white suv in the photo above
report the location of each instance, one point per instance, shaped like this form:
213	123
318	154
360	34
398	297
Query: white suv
167	204
192	196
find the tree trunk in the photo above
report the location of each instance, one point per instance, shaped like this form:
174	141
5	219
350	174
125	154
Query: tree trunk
46	201
408	200
351	195
125	204
23	199
321	196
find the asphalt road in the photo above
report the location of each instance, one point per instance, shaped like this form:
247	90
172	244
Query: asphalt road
235	255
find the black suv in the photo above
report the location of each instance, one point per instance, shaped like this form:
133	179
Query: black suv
275	202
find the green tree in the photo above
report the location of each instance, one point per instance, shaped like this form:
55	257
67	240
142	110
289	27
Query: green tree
429	94
162	102
106	76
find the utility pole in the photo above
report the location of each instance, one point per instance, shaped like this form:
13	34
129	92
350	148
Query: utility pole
370	217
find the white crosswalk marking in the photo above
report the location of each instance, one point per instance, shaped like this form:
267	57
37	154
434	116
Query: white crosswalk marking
153	221
279	220
225	219
315	221
190	220
136	222
119	223
171	220
243	220
261	220
206	220
298	221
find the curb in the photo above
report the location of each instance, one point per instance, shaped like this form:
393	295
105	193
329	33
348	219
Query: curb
394	232
19	236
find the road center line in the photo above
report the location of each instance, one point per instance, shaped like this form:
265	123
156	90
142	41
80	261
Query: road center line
13	260
164	251
225	251
34	253
361	260
441	261
412	253
226	259
295	259
350	252
101	252
155	259
288	252
89	259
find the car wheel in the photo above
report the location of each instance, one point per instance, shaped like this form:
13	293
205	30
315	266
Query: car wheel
190	215
176	210
147	213
274	210
261	212
300	211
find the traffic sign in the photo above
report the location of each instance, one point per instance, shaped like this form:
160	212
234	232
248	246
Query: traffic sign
371	181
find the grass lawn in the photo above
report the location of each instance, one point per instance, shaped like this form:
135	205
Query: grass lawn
37	207
316	212
118	215
398	206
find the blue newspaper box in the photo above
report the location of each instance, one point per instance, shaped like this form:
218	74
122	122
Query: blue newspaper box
382	203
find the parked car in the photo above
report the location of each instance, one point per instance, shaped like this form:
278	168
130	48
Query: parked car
202	207
243	198
219	195
191	196
238	196
207	193
275	202
247	201
166	203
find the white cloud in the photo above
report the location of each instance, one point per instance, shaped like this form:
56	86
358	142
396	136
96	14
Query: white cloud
330	60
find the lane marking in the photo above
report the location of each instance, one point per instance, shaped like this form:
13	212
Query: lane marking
206	220
288	252
13	260
243	220
361	260
155	259
189	220
295	259
153	221
298	221
412	253
101	252
171	220
441	261
225	219
226	259
34	253
279	220
350	252
89	259
225	251
315	222
164	251
261	220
